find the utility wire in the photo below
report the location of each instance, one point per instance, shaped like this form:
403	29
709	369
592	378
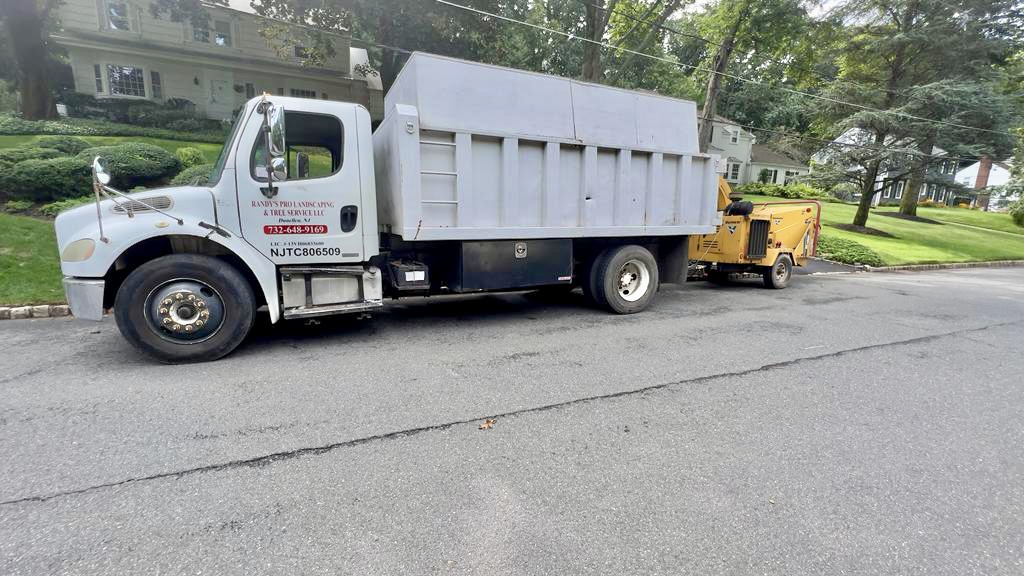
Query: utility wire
722	74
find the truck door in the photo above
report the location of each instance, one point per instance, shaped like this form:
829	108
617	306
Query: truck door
316	215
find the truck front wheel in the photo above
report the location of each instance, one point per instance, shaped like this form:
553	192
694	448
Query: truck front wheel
625	279
185	308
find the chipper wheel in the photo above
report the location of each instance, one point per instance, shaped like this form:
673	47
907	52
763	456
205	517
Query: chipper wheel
624	279
777	276
185	308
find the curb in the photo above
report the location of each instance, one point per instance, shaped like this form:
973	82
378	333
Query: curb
949	266
25	312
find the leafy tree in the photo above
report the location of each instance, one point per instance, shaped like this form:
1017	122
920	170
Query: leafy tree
897	63
25	28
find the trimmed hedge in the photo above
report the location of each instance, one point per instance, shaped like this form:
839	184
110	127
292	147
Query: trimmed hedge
11	156
791	191
12	125
52	179
133	163
130	164
67	144
54	208
193	176
847	251
190	156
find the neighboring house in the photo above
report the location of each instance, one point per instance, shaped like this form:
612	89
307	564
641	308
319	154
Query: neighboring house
117	49
745	160
894	178
998	175
771	167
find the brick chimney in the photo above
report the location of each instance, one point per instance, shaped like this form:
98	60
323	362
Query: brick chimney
981	182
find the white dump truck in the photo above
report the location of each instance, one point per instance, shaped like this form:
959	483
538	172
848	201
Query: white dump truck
479	178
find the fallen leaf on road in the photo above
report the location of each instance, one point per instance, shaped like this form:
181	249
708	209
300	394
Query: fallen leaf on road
488	424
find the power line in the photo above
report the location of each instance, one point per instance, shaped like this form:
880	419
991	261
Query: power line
722	74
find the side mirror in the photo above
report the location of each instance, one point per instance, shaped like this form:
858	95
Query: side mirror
279	169
99	171
302	165
275	124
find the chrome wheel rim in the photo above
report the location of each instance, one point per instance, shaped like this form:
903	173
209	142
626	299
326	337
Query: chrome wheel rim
185	311
634	280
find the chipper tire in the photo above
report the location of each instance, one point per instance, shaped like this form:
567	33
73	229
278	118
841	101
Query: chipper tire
624	279
185	308
778	275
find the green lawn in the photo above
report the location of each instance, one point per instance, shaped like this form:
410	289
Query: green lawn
29	264
210	151
920	243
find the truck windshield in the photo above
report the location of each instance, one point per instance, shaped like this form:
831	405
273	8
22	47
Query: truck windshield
218	168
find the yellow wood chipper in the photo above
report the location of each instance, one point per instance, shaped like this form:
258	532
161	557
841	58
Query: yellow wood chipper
765	238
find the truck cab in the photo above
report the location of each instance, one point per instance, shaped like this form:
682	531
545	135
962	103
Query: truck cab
185	268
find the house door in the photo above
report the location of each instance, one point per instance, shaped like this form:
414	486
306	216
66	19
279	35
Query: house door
221	100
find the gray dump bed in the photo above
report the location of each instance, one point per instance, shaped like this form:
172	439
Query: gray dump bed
471	151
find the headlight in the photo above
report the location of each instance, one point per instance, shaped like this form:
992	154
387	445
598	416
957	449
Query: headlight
79	250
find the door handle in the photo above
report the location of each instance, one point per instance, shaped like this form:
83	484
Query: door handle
349	216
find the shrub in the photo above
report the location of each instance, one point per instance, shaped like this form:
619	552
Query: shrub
12	156
67	144
54	208
847	251
193	176
17	206
190	156
1017	212
134	163
791	191
52	179
84	127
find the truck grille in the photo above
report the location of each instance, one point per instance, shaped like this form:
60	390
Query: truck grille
757	245
158	202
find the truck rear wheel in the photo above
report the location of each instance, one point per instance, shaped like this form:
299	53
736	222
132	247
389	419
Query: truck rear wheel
185	308
778	275
625	278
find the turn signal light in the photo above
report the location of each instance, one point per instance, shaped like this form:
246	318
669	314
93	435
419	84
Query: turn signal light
79	250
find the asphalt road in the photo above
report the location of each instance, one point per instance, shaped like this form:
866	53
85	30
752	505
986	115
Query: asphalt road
854	424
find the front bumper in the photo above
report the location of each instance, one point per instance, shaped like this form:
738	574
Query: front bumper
85	297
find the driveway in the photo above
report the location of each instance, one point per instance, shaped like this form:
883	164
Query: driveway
866	424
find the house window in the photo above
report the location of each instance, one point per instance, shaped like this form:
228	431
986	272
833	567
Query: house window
117	16
250	90
280	91
126	81
768	176
885	193
734	137
791	176
733	171
201	34
301	52
155	86
300	93
98	72
899	189
223	30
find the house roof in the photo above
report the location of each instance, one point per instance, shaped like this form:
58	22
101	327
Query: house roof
761	154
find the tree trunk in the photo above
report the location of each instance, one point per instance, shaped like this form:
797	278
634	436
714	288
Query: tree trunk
25	23
597	20
908	204
722	57
867	194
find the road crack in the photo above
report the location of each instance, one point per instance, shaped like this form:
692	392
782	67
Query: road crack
267	459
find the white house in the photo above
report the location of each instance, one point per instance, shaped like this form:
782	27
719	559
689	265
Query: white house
745	160
117	49
998	175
